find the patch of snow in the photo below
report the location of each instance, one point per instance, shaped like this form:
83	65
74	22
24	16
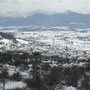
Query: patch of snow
14	85
69	88
22	41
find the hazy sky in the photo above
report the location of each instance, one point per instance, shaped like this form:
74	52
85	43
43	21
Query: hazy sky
28	7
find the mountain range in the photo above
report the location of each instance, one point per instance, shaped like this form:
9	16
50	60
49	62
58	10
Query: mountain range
70	19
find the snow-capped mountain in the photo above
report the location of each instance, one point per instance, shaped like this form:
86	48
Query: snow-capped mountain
70	19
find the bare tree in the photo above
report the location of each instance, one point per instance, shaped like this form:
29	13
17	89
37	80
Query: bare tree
3	77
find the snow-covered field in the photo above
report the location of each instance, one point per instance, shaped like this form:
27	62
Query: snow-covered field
13	85
56	42
53	40
71	39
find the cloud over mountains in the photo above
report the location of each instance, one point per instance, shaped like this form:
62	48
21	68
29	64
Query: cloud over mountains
28	7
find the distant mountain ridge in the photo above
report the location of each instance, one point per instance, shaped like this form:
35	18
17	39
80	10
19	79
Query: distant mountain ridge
70	19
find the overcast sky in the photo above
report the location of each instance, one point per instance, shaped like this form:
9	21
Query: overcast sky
28	7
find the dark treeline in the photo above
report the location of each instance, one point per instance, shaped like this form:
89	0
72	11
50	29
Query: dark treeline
48	72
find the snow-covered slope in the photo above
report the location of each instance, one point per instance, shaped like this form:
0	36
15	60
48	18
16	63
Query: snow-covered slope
9	42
